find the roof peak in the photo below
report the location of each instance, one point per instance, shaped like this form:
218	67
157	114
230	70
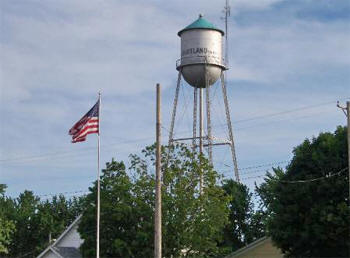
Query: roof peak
200	23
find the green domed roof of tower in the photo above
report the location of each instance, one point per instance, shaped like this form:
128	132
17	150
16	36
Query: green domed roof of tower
200	23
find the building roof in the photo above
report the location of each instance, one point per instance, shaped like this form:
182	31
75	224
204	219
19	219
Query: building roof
70	252
200	23
251	249
63	251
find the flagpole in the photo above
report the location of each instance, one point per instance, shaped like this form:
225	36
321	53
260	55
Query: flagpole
98	180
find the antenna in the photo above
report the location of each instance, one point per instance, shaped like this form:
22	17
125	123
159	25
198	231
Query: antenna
227	12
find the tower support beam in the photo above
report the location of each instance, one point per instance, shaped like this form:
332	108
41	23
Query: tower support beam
201	136
229	126
195	98
210	140
173	116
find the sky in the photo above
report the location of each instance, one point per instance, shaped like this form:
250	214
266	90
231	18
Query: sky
289	62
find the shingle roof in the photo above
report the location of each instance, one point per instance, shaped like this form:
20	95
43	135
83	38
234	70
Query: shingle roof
68	252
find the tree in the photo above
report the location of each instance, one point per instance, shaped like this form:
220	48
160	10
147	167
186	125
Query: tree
54	216
192	223
26	222
122	219
245	224
7	227
310	218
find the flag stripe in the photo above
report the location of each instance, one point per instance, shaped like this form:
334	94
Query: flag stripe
87	131
87	127
88	124
79	140
78	126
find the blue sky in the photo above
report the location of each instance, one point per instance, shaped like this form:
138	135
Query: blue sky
56	55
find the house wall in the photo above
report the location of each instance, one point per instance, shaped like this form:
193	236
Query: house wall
263	250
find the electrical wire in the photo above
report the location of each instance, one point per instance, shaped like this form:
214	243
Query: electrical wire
288	111
69	153
65	153
225	172
63	193
304	181
329	175
259	165
83	192
265	165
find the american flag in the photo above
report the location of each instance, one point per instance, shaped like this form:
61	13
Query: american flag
88	124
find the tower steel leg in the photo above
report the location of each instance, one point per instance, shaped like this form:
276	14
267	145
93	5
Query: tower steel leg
229	125
201	182
210	140
171	131
194	140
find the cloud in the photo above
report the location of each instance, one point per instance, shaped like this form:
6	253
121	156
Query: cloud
252	5
264	53
55	57
280	13
100	45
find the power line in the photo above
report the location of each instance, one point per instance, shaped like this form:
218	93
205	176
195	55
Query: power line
275	114
288	111
329	175
65	153
265	165
225	172
256	166
252	177
73	193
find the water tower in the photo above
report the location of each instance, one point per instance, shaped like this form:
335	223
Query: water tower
201	65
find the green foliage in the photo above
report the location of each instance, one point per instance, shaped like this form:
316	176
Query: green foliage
7	227
245	224
124	217
192	223
311	219
6	230
26	222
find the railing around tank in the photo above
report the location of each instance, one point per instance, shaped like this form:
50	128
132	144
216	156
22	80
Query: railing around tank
201	59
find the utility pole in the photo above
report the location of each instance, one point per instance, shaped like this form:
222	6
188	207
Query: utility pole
346	111
158	208
348	115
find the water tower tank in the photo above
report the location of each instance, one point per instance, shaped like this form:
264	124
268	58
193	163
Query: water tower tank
201	53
